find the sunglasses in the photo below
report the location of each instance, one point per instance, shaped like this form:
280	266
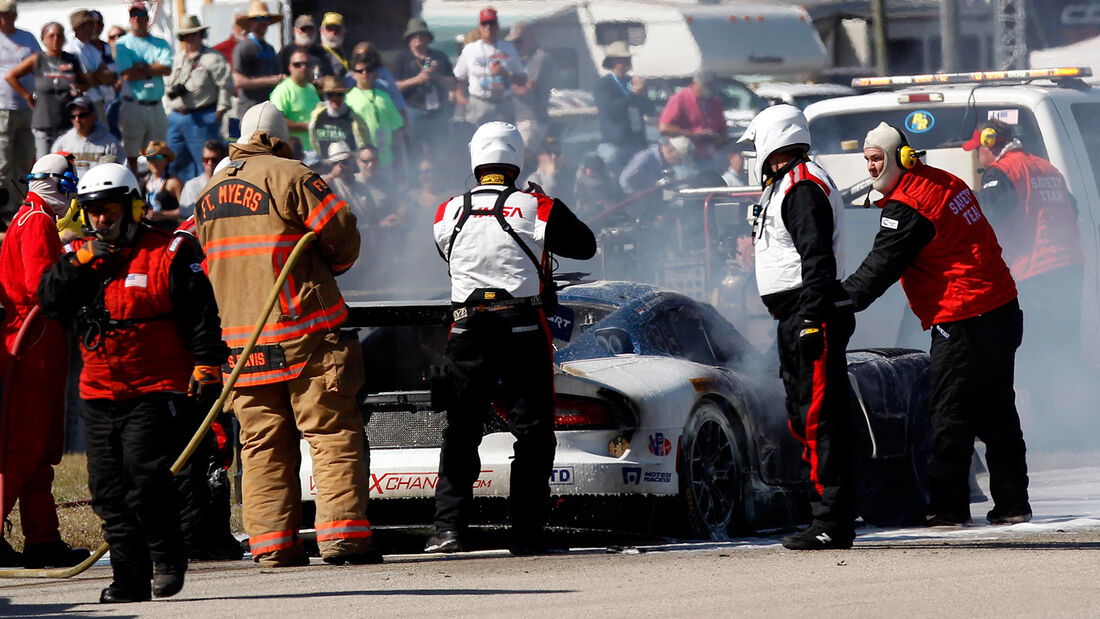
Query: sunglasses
80	115
211	159
113	37
262	18
103	208
489	23
369	69
154	157
139	13
368	161
298	65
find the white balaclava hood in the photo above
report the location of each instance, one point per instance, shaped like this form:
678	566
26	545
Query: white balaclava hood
887	139
46	188
776	128
263	117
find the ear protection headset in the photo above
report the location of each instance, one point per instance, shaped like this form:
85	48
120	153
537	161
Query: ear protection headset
66	181
137	211
988	137
906	156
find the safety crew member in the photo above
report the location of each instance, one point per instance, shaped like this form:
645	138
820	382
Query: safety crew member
1028	204
303	375
497	241
32	428
798	242
150	335
934	236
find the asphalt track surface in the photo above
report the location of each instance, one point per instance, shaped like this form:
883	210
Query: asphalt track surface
1050	567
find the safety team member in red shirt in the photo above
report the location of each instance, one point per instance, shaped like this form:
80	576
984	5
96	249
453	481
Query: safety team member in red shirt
1030	207
934	236
797	238
497	241
150	335
33	427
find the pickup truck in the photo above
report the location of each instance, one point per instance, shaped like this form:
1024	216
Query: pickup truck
1056	115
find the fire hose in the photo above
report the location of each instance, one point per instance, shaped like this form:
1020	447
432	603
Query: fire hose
272	298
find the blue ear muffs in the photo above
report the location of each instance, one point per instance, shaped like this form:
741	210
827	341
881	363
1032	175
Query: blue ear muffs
66	181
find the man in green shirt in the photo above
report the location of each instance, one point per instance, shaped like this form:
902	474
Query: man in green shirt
376	108
296	97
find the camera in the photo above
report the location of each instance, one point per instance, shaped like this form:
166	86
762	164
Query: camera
175	91
427	63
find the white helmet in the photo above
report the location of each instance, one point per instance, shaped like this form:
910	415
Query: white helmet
111	181
496	142
776	128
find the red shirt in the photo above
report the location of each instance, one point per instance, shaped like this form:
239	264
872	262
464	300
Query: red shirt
226	49
685	111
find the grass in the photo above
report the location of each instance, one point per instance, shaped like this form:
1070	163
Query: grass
79	525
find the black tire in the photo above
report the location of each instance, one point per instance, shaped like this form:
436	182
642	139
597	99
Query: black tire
710	474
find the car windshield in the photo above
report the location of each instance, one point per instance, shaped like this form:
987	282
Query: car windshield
931	126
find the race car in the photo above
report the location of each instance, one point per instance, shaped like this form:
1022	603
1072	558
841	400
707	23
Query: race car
668	420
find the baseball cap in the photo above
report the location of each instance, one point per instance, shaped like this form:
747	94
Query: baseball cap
304	20
487	14
80	17
518	30
333	19
7	6
83	102
1001	134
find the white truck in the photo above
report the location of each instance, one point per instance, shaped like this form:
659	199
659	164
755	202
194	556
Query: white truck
1056	115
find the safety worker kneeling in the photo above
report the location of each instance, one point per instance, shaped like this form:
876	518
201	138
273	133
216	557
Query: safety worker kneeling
149	335
497	241
302	377
33	426
798	240
936	239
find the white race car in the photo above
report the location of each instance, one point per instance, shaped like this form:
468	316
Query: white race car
668	421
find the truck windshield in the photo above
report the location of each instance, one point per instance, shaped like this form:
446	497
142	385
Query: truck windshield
944	126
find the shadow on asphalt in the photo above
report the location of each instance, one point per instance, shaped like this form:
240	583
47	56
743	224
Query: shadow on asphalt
962	544
402	592
7	609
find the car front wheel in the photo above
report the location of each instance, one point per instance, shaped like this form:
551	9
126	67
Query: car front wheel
710	473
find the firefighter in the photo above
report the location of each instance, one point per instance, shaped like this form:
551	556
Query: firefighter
497	241
798	240
1035	217
934	236
302	377
33	427
150	335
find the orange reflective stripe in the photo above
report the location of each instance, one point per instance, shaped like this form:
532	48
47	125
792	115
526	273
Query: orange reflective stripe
323	212
235	246
270	542
342	529
271	376
282	331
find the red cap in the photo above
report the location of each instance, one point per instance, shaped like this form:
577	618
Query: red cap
487	14
974	142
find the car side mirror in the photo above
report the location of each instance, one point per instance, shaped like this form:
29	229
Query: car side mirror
615	340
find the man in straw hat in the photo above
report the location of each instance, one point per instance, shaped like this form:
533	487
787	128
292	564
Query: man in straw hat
622	104
199	91
424	77
143	60
255	72
333	121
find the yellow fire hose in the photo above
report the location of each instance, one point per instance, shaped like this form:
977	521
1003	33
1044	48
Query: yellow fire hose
68	572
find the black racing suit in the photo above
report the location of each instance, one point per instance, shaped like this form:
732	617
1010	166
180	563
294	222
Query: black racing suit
132	443
506	355
971	378
817	386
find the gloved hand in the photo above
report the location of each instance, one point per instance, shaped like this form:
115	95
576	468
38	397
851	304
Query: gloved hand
206	384
535	187
97	250
811	340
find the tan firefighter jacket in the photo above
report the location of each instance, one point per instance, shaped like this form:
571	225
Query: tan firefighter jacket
248	221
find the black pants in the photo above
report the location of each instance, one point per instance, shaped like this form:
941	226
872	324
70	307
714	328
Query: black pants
972	396
129	460
503	356
818	415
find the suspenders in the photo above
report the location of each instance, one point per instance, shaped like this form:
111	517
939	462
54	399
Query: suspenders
496	211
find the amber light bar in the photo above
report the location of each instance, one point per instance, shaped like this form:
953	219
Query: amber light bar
1015	75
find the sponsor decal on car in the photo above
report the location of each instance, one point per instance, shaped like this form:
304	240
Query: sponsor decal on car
632	475
659	445
393	482
658	477
561	476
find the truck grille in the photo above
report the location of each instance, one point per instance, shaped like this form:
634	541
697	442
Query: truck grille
403	419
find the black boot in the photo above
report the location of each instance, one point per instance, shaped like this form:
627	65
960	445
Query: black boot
168	578
52	554
121	594
9	557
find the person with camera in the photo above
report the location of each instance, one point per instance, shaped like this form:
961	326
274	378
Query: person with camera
151	340
424	76
199	89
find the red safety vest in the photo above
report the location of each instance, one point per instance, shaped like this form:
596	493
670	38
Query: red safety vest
144	352
960	273
1044	235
